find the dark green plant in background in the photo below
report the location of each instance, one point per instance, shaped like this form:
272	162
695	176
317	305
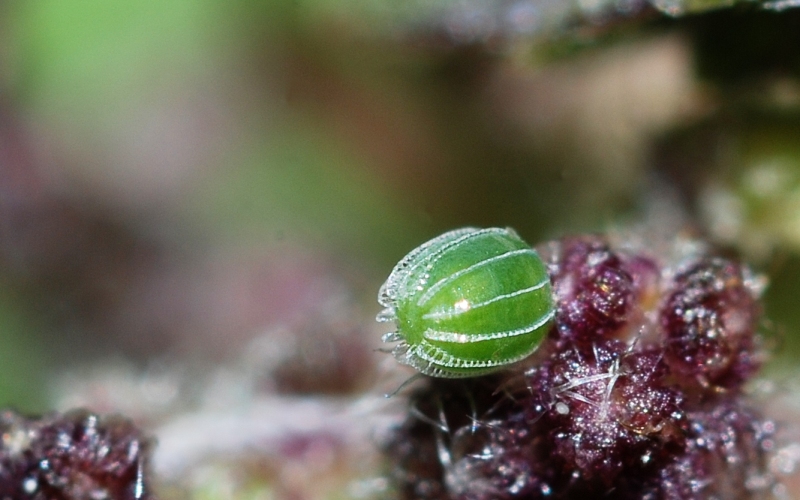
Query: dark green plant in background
199	199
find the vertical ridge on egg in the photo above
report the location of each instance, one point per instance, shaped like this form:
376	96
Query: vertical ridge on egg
468	302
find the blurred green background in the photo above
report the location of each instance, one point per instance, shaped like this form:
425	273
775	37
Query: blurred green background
174	174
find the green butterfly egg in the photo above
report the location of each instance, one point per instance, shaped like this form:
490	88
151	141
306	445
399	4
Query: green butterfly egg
467	302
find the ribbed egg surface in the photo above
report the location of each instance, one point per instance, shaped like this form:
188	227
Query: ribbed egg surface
468	302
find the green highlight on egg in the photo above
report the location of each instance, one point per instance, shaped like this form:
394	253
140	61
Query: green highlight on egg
468	302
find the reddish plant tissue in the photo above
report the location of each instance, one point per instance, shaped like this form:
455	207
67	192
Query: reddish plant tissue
594	289
76	456
635	394
709	319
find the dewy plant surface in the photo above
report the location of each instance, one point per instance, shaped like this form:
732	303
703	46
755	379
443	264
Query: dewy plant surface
637	391
78	455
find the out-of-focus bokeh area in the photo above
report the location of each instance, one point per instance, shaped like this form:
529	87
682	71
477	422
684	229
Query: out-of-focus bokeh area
199	197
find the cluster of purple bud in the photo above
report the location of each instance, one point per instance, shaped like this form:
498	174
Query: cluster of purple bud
635	394
76	456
